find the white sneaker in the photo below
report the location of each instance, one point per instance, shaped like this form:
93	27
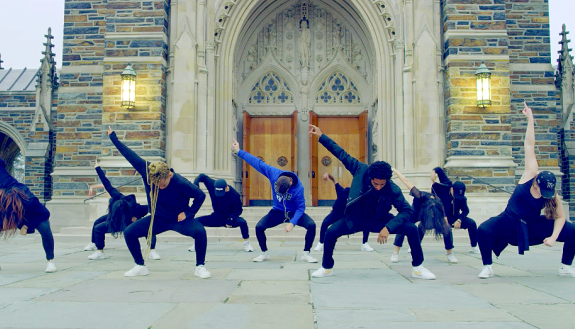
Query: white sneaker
321	272
90	247
366	247
202	272
319	247
394	258
50	267
248	247
137	270
451	258
192	248
486	272
262	257
566	270
154	255
409	250
308	258
97	255
475	250
421	272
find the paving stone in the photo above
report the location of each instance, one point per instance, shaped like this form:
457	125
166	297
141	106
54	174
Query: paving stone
58	280
272	292
463	315
558	316
268	274
555	285
452	274
15	295
509	293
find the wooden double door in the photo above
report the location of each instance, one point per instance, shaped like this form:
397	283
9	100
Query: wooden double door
274	141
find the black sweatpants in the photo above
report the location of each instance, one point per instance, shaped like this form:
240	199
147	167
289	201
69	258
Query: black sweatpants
189	227
471	227
447	238
215	220
340	228
503	228
330	219
100	229
47	238
276	217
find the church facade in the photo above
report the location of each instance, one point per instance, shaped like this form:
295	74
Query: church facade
389	80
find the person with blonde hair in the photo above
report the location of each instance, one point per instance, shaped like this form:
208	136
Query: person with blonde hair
521	223
169	197
21	210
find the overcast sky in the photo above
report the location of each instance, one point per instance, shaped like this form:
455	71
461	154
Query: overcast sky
25	22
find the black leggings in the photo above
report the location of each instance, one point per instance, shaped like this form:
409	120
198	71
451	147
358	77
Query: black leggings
447	238
215	220
100	229
47	238
503	228
189	227
331	218
471	227
275	217
340	228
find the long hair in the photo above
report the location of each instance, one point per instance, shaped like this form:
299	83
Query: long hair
155	172
432	217
119	217
11	210
550	208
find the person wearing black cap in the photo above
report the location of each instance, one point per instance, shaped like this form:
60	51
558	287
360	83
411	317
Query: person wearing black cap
371	196
337	212
288	205
123	210
457	214
429	212
521	223
227	206
442	189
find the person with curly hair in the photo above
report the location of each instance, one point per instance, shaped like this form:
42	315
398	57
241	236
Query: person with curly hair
169	197
123	210
372	195
429	213
521	223
21	210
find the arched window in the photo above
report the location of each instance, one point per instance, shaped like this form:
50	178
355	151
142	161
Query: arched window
338	89
271	89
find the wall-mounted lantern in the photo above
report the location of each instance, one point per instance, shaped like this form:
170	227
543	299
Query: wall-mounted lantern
129	87
483	77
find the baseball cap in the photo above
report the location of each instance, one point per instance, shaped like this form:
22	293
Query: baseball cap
220	187
458	190
546	181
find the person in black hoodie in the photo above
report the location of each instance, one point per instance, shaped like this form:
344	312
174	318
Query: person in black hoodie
337	212
457	215
171	210
227	206
429	212
21	210
371	196
122	211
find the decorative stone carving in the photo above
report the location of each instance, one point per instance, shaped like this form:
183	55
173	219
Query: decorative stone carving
304	43
271	89
338	89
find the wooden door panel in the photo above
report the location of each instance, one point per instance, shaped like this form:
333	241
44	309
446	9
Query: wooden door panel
245	167
345	132
270	139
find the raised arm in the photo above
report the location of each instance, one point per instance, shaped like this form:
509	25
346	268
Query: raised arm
350	163
258	164
203	178
531	166
135	160
402	178
114	193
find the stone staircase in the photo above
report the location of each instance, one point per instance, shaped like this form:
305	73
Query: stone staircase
481	207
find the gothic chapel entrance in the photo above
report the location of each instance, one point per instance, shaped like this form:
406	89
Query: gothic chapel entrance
300	62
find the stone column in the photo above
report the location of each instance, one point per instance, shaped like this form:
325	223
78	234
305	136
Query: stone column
303	146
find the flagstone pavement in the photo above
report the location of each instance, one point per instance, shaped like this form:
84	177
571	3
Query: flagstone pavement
366	290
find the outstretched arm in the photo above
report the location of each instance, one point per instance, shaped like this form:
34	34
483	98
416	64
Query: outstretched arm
258	164
402	178
135	160
203	178
558	224
114	193
531	166
350	163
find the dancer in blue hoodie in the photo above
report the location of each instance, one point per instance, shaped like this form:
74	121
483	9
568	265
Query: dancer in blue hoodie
288	205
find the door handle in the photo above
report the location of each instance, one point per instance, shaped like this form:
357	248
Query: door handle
246	174
312	174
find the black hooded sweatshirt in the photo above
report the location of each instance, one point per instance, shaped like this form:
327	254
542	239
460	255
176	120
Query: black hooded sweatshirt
228	206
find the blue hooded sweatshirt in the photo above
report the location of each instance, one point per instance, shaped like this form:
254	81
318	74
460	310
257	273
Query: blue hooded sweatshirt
293	199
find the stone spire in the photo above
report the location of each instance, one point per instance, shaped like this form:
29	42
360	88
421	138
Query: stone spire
48	67
564	55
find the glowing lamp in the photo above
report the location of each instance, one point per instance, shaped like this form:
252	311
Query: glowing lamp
129	87
483	77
